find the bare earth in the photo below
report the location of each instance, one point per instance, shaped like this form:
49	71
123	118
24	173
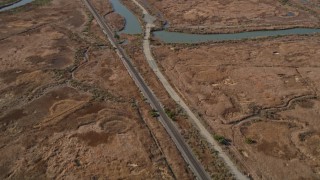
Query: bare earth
260	94
69	109
230	16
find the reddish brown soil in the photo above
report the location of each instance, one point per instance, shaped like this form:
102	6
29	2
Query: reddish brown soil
274	81
229	16
116	21
232	84
105	9
312	6
208	157
67	114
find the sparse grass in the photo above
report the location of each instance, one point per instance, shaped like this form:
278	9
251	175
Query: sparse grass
41	2
87	30
171	114
79	55
284	2
134	104
61	73
97	93
249	141
208	156
303	136
221	139
154	113
87	27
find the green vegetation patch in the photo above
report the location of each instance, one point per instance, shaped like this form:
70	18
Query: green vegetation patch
221	139
249	141
171	114
154	113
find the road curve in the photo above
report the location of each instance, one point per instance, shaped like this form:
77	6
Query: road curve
184	149
175	96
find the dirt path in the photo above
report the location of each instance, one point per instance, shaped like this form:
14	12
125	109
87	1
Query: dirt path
174	95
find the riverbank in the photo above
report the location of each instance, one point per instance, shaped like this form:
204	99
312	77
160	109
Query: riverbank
207	17
177	37
7	3
202	133
185	38
205	30
105	8
24	5
225	94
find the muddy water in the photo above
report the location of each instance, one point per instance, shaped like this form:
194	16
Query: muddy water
132	23
18	4
134	27
176	37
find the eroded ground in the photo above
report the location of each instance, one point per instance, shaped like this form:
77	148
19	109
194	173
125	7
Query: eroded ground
69	109
230	16
209	158
261	94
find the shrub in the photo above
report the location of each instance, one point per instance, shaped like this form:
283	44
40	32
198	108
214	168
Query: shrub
249	141
221	139
116	36
170	114
284	2
154	113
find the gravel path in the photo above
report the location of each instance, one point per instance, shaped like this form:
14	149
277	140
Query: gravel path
174	95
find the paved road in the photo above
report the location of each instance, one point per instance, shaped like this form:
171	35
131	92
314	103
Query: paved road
184	149
174	95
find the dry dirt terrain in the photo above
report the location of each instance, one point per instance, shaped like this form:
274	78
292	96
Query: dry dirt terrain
69	109
260	95
116	21
204	16
205	153
313	6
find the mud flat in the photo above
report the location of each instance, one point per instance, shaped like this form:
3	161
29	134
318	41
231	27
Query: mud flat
218	16
243	90
69	109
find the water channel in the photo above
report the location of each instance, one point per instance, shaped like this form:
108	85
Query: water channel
133	26
177	37
15	5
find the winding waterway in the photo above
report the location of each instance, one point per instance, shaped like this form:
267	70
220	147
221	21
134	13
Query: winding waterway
177	37
15	5
132	23
133	26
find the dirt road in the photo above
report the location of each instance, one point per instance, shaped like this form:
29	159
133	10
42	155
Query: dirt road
174	95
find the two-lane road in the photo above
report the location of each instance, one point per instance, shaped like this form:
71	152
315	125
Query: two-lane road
177	138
